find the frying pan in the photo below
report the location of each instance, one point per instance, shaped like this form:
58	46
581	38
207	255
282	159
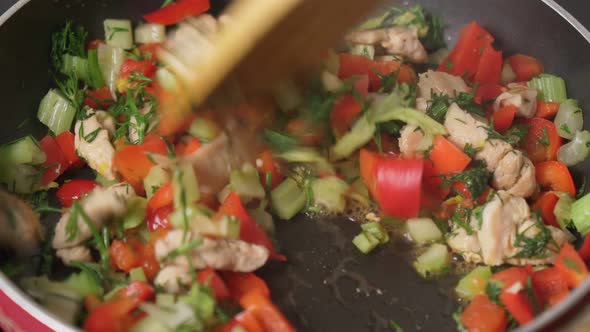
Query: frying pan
326	285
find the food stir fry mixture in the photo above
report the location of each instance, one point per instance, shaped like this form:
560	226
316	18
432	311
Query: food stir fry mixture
467	148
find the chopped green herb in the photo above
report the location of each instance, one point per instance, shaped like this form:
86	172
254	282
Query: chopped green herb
457	319
449	65
564	127
469	150
70	90
475	179
493	290
513	136
393	325
467	102
544	138
278	141
462	218
438	106
69	40
185	248
571	264
534	246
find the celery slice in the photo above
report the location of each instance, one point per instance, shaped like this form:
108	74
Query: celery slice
423	230
135	215
414	117
75	65
551	88
581	214
361	133
433	261
95	78
150	33
474	283
157	177
25	150
185	186
287	199
118	33
367	51
110	60
137	274
20	178
365	242
56	112
329	192
569	119
204	129
377	230
246	184
563	210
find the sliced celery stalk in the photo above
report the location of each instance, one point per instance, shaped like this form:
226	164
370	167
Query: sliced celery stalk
361	132
110	60
204	129
434	260
185	185
25	150
75	65
551	88
20	178
474	283
84	284
569	119
137	274
307	155
563	210
201	300
135	214
423	230
165	300
157	177
377	230
365	242
246	183
414	117
150	33
329	192
581	214
56	112
95	78
287	199
363	50
118	33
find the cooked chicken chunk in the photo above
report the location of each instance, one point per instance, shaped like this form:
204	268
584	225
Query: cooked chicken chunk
173	277
100	206
464	128
492	152
503	220
396	40
526	184
413	141
521	96
440	83
508	170
74	254
212	164
229	255
93	142
20	230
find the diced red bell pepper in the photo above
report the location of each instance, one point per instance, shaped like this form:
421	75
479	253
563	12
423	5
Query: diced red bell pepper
518	305
525	67
267	167
490	66
241	283
66	142
305	131
113	316
554	175
584	251
186	146
546	109
546	203
123	256
56	162
145	67
399	186
210	278
99	98
149	50
483	315
162	197
446	158
158	218
362	85
511	276
74	190
138	291
503	118
368	162
542	141
133	163
177	11
246	320
344	112
250	231
487	92
351	65
571	266
464	59
550	285
269	316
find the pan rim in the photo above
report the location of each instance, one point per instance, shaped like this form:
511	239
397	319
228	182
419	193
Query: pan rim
24	301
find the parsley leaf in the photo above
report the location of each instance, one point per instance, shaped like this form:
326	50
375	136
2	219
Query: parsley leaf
513	136
544	138
69	40
470	150
493	290
462	218
534	246
438	106
475	179
280	142
466	102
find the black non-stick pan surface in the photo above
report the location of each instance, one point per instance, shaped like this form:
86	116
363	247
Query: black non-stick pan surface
327	284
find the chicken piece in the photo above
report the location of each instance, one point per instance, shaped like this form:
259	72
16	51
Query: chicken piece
440	83
173	277
100	206
219	254
93	142
413	141
212	164
526	184
74	254
395	40
20	229
503	219
464	128
508	170
492	152
521	96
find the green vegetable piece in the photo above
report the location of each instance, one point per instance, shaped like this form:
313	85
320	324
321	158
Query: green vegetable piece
563	210
329	192
362	132
246	184
20	178
580	213
204	130
137	274
165	300
166	79
307	156
150	324
365	242
435	260
551	88
118	33
24	150
56	112
474	283
95	78
185	186
135	215
287	199
75	65
201	300
84	284
367	51
415	117
377	230
423	230
157	177
569	119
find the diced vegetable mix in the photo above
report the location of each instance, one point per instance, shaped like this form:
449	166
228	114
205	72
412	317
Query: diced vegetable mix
446	151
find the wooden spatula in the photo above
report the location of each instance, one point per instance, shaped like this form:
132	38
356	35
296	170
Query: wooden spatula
265	41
